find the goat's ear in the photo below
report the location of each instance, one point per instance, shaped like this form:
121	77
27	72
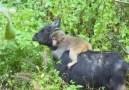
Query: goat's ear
57	22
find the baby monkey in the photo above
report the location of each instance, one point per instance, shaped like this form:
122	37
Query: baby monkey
74	44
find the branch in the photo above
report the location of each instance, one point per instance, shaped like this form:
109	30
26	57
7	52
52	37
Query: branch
120	1
118	43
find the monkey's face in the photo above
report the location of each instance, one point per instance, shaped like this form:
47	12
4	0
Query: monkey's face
54	41
58	37
43	36
57	41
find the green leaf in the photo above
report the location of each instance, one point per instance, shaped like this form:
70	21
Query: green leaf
9	31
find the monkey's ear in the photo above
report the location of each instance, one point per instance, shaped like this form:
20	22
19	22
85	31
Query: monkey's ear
63	38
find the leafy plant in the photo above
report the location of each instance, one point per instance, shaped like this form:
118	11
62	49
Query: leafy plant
92	20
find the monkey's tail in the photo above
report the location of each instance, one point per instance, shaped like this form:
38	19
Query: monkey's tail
90	47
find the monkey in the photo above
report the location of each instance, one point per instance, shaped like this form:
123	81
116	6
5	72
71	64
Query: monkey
75	45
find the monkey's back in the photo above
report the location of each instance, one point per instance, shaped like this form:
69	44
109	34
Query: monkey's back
78	43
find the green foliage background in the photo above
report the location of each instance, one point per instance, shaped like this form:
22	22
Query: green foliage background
92	20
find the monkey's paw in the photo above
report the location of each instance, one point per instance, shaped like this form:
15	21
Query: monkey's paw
69	65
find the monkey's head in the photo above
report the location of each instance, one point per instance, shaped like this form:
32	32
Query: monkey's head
58	37
43	36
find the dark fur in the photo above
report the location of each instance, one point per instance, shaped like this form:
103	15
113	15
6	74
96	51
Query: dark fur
95	69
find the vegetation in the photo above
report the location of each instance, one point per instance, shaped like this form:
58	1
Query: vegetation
25	65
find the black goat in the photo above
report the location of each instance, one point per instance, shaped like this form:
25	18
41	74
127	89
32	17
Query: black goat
94	68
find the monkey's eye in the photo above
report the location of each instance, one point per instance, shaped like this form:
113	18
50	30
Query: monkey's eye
54	39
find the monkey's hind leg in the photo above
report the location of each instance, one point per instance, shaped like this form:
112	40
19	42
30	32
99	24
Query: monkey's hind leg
73	53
